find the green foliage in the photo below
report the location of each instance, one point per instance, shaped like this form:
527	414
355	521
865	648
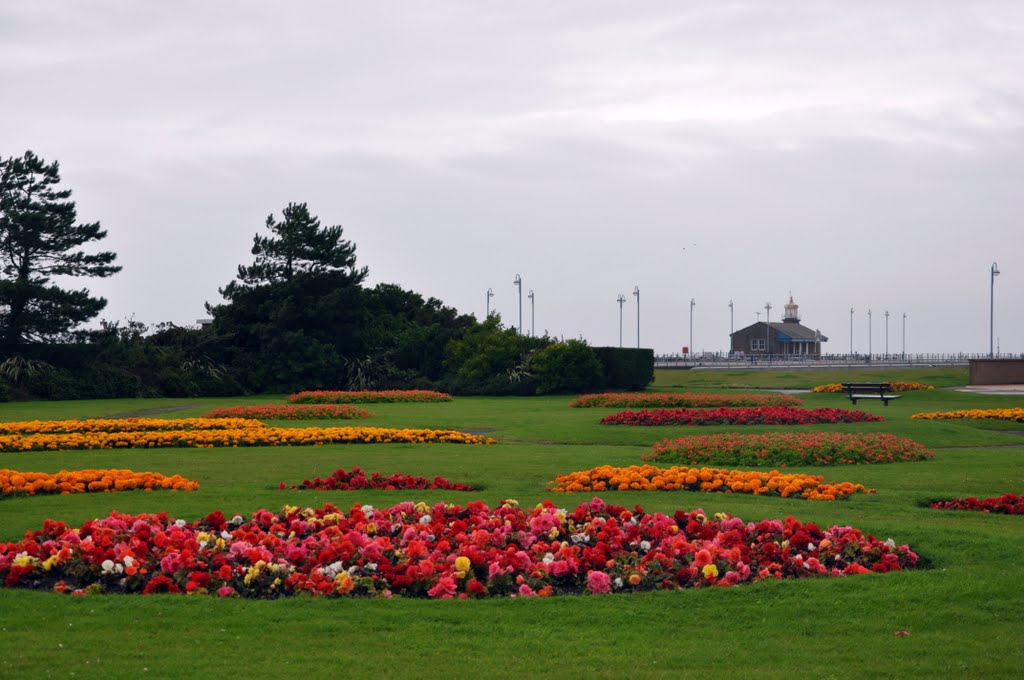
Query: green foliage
39	239
626	368
491	359
566	367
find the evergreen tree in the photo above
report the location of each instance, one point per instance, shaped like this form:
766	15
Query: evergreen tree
39	239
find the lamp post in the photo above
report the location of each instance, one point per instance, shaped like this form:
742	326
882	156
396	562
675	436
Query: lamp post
518	282
533	327
869	335
767	327
903	351
636	294
992	306
621	300
692	303
887	334
490	294
731	331
851	331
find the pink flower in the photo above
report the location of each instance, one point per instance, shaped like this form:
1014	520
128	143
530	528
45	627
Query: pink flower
226	591
599	582
445	588
526	591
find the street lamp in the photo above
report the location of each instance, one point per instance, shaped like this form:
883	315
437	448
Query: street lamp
636	294
730	326
621	300
490	294
992	306
869	335
767	327
904	350
518	281
851	331
887	334
533	327
692	303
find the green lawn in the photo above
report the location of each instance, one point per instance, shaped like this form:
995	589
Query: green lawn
962	613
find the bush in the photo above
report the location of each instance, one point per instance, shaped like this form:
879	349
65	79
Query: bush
563	367
626	368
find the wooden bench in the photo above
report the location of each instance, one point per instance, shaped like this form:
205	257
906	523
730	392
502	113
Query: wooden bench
881	391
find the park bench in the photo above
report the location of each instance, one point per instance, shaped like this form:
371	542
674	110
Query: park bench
881	391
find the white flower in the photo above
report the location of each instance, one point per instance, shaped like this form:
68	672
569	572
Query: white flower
645	545
548	558
425	519
180	523
890	544
226	535
618	582
367	509
107	566
580	538
810	547
129	560
371	566
237	520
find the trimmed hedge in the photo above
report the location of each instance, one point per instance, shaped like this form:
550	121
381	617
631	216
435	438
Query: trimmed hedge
626	368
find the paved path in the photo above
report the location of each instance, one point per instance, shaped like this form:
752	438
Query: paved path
993	389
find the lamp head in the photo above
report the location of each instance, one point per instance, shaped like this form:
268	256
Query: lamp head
995	269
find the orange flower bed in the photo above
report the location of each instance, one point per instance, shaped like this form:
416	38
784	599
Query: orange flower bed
651	478
15	483
896	387
125	425
255	436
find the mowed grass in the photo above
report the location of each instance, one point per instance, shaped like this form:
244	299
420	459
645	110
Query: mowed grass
960	616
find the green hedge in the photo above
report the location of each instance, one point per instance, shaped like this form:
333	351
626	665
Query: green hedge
626	368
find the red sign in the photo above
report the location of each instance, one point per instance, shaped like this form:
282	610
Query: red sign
686	350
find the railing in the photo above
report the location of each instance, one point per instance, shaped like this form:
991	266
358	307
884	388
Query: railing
724	360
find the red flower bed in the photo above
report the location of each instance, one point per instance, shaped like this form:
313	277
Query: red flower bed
367	396
767	415
439	551
291	412
340	480
1007	504
680	400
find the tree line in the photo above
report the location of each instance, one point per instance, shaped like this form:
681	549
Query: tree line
297	317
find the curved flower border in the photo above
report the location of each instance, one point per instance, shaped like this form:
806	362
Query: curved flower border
894	386
1007	504
1011	414
105	425
17	483
651	478
680	400
765	415
440	551
772	449
367	396
292	412
355	479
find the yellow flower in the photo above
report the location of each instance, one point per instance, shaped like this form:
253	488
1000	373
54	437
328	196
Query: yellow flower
462	564
710	572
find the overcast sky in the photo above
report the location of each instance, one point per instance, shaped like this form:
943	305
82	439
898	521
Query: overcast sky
865	155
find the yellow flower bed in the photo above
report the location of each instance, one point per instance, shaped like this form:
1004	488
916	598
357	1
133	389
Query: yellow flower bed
651	478
1013	414
896	387
15	483
253	436
126	425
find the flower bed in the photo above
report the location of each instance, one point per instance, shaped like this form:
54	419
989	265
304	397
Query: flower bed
442	551
125	425
651	478
15	483
894	386
367	396
292	412
340	480
254	436
1011	414
779	449
680	400
1007	504
765	415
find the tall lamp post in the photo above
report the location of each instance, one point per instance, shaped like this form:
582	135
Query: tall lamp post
992	306
692	303
903	351
730	326
533	328
490	294
851	331
621	300
518	281
887	334
869	335
636	294
767	327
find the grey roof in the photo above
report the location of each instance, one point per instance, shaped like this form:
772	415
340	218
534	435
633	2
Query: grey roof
790	329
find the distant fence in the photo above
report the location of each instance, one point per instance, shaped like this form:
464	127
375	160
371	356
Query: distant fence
723	360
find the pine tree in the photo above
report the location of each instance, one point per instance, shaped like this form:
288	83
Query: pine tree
39	239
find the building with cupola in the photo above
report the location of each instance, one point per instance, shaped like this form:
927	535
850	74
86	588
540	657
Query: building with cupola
788	337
